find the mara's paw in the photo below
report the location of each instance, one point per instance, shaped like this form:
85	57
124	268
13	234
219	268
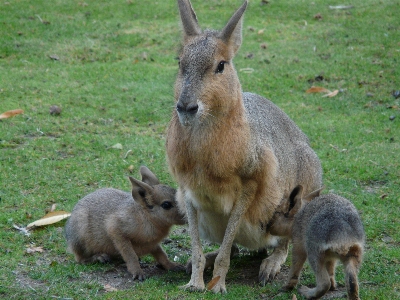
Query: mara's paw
138	275
193	287
268	270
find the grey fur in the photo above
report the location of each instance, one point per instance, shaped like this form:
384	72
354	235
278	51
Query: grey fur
325	230
111	223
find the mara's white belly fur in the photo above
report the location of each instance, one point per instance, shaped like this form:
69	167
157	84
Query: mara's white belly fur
212	227
213	218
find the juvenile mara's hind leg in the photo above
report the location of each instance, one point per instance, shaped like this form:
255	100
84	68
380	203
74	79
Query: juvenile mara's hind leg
318	264
330	267
271	265
351	267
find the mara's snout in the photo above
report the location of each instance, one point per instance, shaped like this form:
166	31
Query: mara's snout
187	112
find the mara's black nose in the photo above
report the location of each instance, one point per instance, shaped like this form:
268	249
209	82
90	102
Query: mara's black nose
189	108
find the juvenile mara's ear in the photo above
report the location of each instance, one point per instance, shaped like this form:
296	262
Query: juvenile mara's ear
295	200
232	32
142	192
148	176
313	195
189	20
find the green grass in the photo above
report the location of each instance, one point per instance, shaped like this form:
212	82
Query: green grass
114	81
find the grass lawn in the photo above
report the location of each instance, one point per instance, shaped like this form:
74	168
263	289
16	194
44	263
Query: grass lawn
110	67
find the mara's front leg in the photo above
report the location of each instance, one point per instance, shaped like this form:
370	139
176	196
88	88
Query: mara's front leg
222	261
196	282
271	265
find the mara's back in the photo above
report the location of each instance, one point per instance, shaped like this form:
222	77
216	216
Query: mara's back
89	215
272	129
329	222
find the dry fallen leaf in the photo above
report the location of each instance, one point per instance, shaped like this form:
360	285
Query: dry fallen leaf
54	57
317	89
34	249
11	113
341	7
294	297
50	218
117	146
212	283
331	94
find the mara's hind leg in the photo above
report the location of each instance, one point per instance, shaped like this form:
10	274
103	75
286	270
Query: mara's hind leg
83	257
330	267
352	264
321	276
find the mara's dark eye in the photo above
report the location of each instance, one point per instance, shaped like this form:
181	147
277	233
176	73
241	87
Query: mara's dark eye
220	67
166	205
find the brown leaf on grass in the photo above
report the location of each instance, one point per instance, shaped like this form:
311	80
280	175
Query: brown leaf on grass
318	16
11	113
109	288
294	297
50	218
331	94
317	89
34	249
212	283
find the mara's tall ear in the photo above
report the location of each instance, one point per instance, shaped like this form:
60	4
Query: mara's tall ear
148	176
295	199
189	20
142	192
313	195
232	32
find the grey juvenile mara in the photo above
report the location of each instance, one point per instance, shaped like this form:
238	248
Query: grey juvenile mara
324	231
110	222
